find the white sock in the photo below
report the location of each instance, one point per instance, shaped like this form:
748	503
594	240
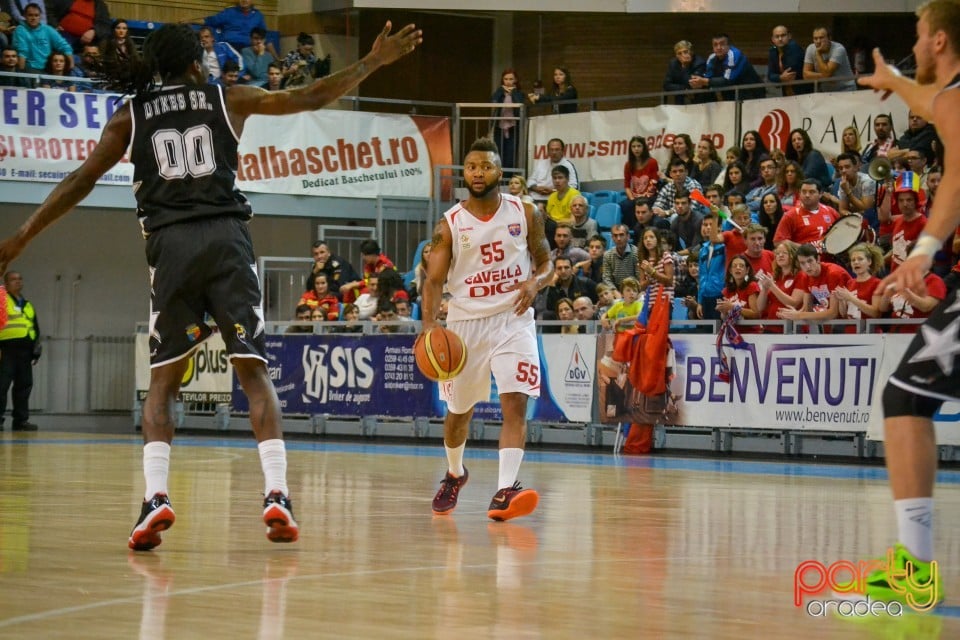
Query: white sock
273	460
510	460
915	525
156	468
455	459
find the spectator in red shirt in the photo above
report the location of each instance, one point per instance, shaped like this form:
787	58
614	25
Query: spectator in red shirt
734	242
640	175
860	298
741	291
906	227
320	296
907	303
807	223
373	263
780	290
817	280
759	258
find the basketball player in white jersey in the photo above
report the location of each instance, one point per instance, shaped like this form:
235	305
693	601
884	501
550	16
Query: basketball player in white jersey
929	373
492	253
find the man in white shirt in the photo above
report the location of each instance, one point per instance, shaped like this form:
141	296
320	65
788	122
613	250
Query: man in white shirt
540	181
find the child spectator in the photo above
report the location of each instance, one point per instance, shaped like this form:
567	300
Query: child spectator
740	293
623	314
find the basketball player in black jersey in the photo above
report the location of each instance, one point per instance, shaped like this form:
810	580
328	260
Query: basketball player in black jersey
182	136
929	372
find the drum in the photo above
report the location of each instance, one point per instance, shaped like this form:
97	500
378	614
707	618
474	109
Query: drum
843	234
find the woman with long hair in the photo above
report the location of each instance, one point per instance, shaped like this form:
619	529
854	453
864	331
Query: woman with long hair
565	312
779	290
420	271
320	295
788	183
752	149
640	171
118	44
683	149
562	89
800	150
706	163
59	64
736	180
654	265
741	292
505	124
861	297
771	212
850	141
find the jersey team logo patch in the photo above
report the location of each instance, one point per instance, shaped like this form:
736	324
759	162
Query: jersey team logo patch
241	332
514	229
193	333
465	241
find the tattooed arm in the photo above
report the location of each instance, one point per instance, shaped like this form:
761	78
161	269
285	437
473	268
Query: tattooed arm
438	264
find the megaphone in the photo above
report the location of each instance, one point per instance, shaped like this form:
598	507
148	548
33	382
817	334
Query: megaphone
880	169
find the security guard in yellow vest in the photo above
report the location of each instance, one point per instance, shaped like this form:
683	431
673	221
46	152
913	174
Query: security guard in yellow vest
19	351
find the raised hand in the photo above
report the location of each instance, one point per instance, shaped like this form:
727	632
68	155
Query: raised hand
390	48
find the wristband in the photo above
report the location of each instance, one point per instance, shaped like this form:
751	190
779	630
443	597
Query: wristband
926	245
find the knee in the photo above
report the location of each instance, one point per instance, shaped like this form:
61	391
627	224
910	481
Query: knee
897	402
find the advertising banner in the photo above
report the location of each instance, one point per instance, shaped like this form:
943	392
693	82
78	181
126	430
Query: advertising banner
823	116
797	382
345	375
45	134
209	376
597	141
343	153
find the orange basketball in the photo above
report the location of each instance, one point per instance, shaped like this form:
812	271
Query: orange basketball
440	354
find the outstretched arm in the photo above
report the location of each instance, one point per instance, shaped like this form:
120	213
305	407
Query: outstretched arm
243	101
74	188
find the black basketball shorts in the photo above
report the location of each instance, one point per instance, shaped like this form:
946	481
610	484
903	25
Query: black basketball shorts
930	365
199	268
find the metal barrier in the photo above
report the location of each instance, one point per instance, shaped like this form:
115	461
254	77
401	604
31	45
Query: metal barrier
84	375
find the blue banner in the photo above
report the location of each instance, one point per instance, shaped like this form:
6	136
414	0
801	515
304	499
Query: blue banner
345	376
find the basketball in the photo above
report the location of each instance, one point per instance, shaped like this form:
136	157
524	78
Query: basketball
440	354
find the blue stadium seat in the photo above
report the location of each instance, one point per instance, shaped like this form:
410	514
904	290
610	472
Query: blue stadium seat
591	212
609	238
608	215
588	195
408	278
602	197
415	311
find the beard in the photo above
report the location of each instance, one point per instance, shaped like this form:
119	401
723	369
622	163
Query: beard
487	188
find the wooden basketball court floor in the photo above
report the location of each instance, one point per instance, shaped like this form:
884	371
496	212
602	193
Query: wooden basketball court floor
648	547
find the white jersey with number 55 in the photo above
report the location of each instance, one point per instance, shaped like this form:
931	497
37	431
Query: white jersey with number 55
488	258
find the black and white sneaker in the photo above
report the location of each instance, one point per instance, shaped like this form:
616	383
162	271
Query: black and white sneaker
156	516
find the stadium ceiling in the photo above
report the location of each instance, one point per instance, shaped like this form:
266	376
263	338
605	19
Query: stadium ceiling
628	6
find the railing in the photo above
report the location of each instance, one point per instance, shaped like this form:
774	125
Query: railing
84	375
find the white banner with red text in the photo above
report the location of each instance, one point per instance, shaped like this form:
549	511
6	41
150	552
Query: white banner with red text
45	134
597	141
343	153
823	116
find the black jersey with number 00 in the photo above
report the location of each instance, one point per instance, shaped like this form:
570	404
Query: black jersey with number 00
184	153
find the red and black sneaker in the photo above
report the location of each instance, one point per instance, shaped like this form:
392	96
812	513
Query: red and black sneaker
156	515
278	516
512	502
446	499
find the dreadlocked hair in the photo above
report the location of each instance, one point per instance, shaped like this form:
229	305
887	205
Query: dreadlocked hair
167	52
